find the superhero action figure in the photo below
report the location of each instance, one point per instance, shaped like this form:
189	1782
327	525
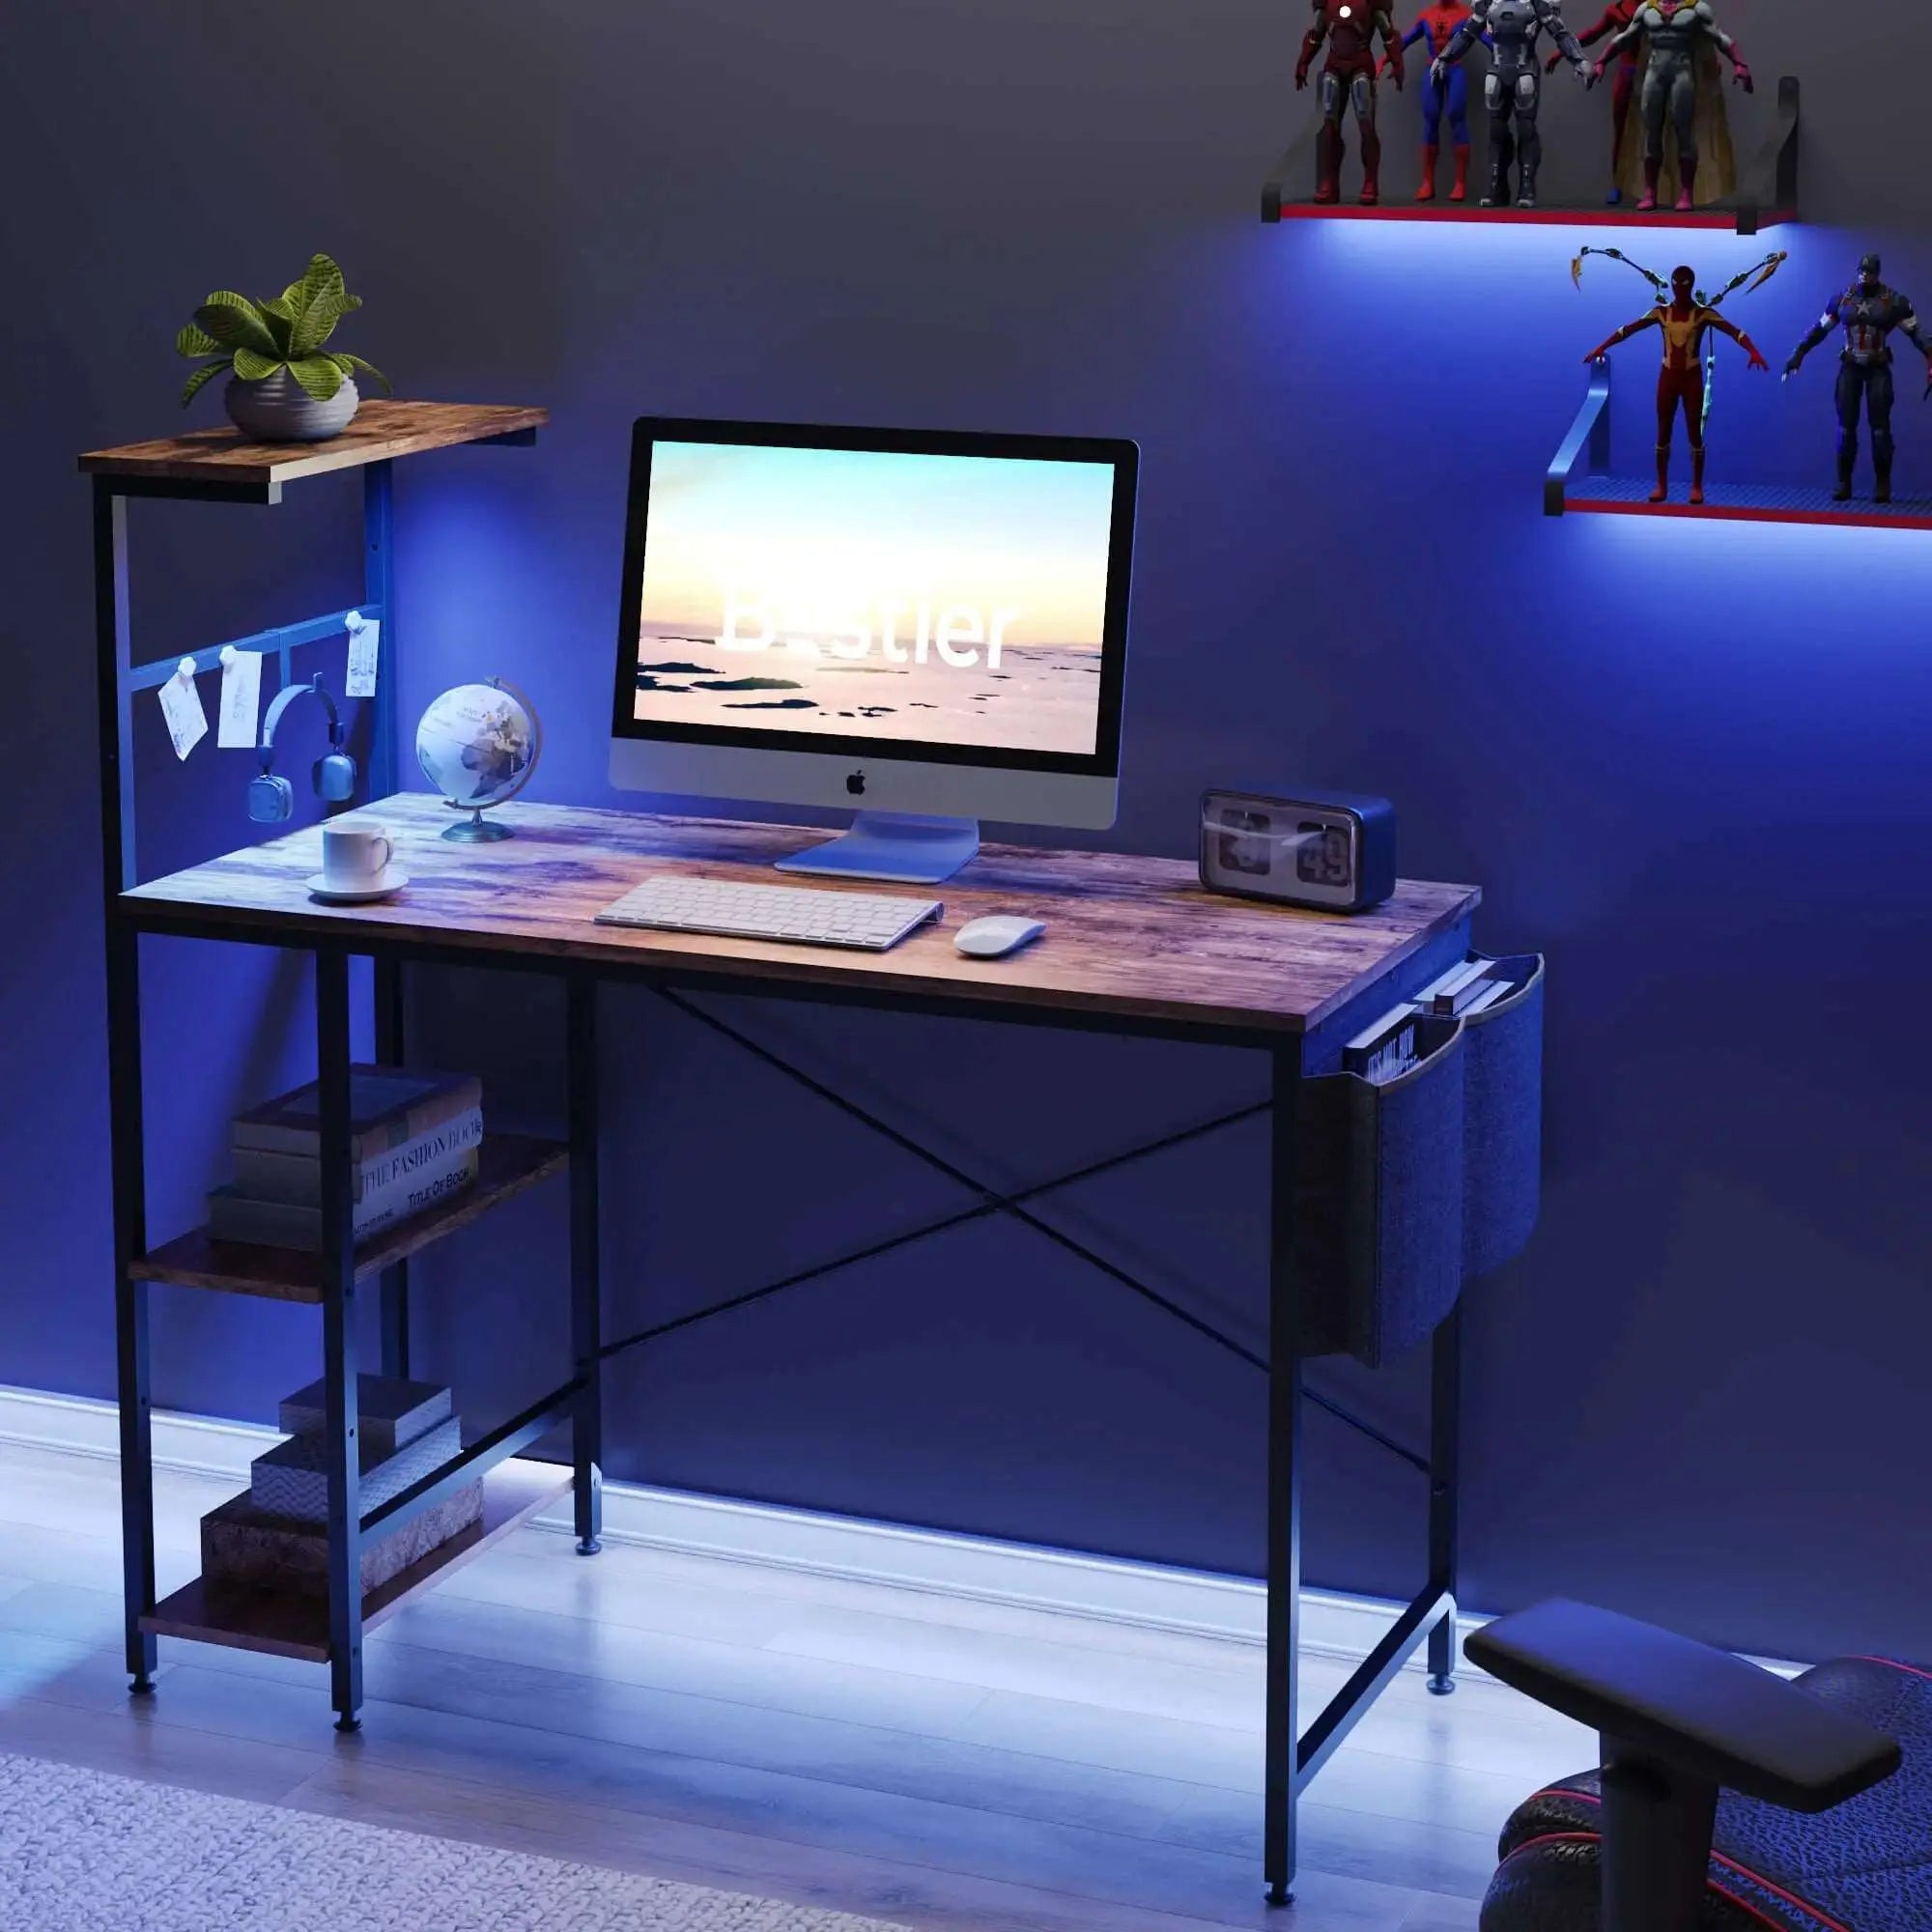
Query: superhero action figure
1617	15
1435	26
1512	87
1348	79
1684	318
1679	43
1867	312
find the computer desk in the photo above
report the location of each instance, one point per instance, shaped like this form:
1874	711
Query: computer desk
1133	946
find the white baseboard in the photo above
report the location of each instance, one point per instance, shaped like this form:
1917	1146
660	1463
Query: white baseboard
1020	1576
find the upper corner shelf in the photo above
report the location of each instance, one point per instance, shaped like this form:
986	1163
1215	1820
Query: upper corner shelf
1767	193
1598	215
222	461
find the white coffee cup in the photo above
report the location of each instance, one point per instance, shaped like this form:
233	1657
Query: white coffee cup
354	857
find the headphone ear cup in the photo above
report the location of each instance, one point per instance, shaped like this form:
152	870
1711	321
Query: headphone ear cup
335	776
270	799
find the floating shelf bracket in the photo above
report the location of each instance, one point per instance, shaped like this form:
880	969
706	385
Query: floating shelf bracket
1592	427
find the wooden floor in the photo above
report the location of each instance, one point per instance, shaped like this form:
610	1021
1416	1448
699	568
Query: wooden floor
933	1762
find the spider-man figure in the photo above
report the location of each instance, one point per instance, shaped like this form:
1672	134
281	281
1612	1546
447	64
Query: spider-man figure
1348	78
1432	27
1683	321
1867	311
1617	15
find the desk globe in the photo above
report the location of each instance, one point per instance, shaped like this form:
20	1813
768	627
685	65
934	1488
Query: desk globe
479	745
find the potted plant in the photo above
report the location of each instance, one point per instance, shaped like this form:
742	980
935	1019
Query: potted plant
284	386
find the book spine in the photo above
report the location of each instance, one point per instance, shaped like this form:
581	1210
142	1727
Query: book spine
461	1096
281	1224
296	1179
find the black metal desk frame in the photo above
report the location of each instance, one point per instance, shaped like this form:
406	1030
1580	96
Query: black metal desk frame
1293	1754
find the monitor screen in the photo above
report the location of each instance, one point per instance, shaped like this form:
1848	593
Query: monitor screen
941	596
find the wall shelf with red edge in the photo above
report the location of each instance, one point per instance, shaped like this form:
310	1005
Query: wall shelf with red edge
1598	493
1767	192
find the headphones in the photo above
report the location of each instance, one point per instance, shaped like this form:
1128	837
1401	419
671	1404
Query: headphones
271	798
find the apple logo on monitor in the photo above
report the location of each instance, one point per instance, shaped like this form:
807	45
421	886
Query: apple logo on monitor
855	784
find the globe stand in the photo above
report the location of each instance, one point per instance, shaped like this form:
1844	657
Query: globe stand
476	830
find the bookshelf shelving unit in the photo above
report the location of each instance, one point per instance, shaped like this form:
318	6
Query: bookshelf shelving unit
222	465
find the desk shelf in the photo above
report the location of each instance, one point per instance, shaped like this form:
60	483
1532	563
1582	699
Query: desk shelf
286	1625
223	462
508	1164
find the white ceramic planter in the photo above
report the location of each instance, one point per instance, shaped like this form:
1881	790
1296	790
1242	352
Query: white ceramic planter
279	410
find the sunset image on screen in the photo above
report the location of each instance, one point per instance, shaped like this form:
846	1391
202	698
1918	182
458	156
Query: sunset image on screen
949	599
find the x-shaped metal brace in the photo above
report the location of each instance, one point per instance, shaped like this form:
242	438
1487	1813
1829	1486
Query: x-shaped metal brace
990	1201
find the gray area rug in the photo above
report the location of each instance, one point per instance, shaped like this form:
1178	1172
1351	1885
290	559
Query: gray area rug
84	1852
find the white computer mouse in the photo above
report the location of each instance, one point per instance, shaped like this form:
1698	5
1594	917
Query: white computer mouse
995	937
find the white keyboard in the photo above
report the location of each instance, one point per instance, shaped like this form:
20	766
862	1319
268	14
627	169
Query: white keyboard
810	917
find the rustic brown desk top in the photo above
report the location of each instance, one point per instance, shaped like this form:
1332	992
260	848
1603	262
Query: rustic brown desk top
382	430
1135	938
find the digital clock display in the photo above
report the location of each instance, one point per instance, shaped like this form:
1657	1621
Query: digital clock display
1324	851
1324	854
1248	854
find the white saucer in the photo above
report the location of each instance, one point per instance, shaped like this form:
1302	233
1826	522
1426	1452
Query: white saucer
392	881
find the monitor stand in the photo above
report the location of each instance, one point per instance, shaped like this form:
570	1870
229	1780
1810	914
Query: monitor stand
893	845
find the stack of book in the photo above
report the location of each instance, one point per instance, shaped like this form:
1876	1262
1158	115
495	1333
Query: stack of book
276	1536
414	1139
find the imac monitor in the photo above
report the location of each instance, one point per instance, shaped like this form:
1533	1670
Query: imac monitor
927	628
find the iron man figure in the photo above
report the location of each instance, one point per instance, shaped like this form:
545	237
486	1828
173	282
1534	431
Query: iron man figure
1349	27
1683	321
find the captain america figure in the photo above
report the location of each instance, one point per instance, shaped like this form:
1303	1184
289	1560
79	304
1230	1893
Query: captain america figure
1512	87
1869	311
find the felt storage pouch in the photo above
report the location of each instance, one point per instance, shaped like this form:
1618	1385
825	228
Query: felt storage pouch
1502	1134
1379	1202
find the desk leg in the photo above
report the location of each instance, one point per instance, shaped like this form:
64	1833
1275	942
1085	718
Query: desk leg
130	1299
389	1051
338	1342
1283	1485
587	1428
1445	1439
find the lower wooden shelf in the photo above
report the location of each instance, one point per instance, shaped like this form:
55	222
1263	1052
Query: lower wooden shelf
508	1163
285	1625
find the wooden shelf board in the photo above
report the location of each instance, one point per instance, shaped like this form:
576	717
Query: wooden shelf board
1594	214
508	1164
1745	503
382	430
285	1625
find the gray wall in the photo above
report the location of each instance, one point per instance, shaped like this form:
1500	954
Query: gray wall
1686	760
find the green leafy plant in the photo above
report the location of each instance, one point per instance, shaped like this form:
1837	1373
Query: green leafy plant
256	339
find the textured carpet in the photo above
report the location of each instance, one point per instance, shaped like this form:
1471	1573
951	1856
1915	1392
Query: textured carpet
83	1852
